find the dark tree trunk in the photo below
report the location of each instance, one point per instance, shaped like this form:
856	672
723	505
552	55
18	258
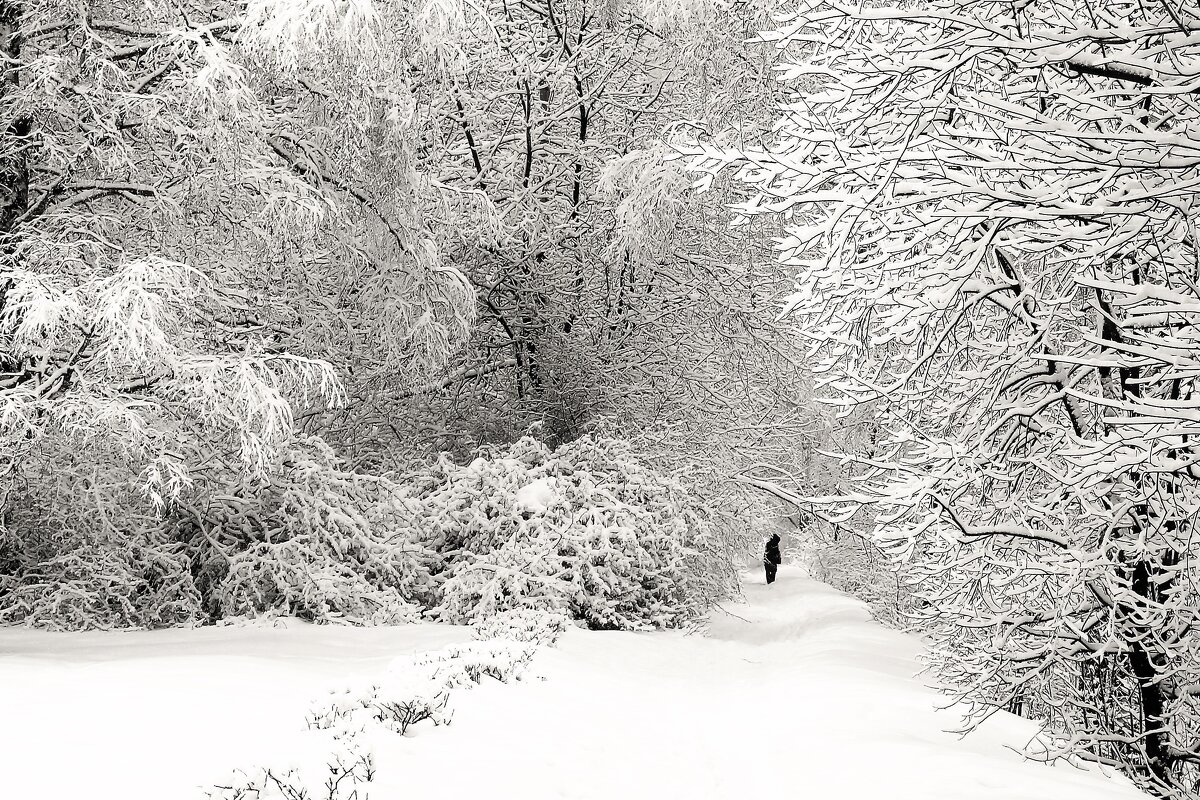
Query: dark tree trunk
14	169
1156	739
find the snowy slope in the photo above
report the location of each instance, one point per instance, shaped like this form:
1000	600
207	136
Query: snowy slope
793	694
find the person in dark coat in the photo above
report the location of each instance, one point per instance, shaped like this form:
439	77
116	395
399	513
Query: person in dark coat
771	558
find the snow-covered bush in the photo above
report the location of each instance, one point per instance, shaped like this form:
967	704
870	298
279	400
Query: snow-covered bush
313	540
102	561
316	542
85	581
585	530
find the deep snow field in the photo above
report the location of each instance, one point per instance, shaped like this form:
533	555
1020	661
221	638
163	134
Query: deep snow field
793	694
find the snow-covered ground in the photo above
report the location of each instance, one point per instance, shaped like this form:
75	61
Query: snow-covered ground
793	694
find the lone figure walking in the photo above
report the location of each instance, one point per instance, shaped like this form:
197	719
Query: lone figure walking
771	557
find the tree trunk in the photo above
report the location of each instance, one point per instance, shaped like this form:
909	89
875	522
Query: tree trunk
14	169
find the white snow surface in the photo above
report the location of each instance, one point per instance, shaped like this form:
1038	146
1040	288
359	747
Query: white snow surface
794	693
536	497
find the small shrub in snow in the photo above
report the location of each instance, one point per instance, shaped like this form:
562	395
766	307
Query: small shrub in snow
414	689
467	664
349	712
406	699
345	778
399	715
417	688
522	625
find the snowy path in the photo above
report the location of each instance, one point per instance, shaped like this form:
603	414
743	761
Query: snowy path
799	695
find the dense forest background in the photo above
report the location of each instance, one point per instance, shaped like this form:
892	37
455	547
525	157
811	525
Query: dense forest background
374	312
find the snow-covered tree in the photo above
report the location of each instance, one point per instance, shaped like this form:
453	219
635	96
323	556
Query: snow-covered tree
209	220
604	288
189	243
187	238
991	208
